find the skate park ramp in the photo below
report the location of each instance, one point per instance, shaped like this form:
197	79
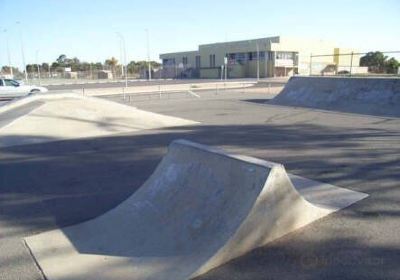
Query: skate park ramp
199	209
49	117
370	96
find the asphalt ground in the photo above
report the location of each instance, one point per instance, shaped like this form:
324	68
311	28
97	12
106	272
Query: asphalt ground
8	117
133	83
56	184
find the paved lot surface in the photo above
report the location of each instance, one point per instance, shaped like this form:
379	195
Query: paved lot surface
154	82
9	117
62	183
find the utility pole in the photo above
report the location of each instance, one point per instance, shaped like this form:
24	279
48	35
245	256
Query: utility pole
8	53
258	63
124	49
22	51
226	66
148	53
351	63
266	61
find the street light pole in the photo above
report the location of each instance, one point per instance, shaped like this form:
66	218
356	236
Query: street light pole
22	51
121	57
258	63
124	48
148	53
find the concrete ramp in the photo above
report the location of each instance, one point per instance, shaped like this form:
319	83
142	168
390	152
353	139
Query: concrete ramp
199	209
371	96
50	117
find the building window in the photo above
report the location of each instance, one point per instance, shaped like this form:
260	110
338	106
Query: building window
168	61
284	55
240	57
212	60
251	56
255	56
185	60
270	55
198	63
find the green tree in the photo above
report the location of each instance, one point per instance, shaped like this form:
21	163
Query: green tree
6	69
44	67
135	67
31	68
375	61
392	66
112	63
61	59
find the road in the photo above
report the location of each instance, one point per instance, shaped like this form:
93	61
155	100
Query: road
56	184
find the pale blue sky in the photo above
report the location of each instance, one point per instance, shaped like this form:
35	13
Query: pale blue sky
86	28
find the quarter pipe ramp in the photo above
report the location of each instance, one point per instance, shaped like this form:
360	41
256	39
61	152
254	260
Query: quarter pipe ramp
200	208
371	96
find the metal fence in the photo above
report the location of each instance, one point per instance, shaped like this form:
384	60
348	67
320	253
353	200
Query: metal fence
356	64
63	75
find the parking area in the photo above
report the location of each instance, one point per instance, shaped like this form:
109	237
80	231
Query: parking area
45	186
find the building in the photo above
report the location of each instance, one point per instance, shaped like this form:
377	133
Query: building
264	57
104	74
70	75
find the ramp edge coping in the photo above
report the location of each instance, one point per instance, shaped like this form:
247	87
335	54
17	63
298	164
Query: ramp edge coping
221	152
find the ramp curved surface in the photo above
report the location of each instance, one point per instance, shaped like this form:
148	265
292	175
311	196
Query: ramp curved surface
58	116
199	209
371	96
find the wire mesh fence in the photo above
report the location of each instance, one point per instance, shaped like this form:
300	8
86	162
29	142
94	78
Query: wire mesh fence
43	74
356	64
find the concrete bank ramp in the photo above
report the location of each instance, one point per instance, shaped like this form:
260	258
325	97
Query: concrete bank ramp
49	117
371	96
199	209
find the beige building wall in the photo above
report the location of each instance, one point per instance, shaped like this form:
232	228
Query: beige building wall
178	56
210	73
344	57
221	49
305	48
300	48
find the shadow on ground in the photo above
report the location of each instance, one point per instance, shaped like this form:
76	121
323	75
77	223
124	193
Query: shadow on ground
61	183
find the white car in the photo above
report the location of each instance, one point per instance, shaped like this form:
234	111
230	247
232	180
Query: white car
11	88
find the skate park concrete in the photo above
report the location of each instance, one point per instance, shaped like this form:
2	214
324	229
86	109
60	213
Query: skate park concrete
371	96
199	209
50	117
61	183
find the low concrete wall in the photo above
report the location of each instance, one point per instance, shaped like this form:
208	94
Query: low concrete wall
373	96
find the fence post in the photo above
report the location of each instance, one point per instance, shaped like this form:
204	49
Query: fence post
310	64
351	63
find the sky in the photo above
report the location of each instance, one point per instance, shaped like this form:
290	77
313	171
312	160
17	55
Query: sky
88	29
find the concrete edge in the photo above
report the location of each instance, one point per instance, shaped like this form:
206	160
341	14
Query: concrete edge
318	193
221	152
51	96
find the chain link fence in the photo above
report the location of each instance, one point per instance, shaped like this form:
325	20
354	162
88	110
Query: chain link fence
45	75
356	64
